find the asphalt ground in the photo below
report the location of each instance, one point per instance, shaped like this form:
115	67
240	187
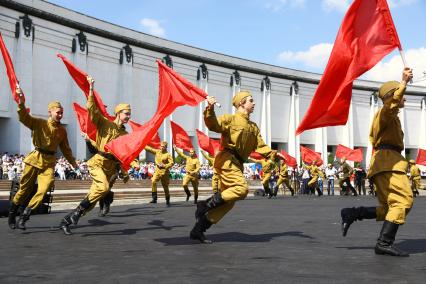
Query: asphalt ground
283	240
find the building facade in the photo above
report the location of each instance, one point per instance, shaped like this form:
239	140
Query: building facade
122	62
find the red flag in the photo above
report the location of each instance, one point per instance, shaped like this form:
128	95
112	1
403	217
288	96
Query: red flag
421	157
80	77
309	155
174	91
256	155
86	125
351	155
13	81
366	35
208	144
289	160
180	137
155	141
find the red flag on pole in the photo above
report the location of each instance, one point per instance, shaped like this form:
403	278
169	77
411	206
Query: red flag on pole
366	35
86	125
351	155
80	78
174	91
180	137
13	81
421	157
208	144
309	155
289	160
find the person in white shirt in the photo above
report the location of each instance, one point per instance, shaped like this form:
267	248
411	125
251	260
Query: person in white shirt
330	173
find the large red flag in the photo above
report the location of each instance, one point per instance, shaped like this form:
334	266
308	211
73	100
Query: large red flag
208	144
180	137
174	91
421	157
289	160
255	155
13	81
80	78
86	125
155	141
351	155
366	35
309	155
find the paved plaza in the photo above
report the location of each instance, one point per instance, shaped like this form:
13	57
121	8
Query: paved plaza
283	240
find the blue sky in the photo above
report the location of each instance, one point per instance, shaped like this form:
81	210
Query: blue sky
291	33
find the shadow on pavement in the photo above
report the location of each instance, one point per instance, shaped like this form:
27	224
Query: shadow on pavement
233	237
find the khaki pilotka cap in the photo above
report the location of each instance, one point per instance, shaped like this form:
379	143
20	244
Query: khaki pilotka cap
388	87
121	107
53	105
236	100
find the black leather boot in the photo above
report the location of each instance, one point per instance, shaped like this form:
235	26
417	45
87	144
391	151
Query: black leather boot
73	217
101	208
168	201
204	206
154	197
267	191
25	216
291	191
385	241
197	232
109	198
13	210
188	193
350	215
195	198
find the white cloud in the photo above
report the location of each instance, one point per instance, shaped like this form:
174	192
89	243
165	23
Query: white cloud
391	69
340	5
398	3
316	56
278	5
153	27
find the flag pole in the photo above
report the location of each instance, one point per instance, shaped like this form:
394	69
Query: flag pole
404	61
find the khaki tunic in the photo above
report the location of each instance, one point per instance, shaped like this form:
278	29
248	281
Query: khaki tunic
102	169
239	137
161	174
415	177
283	176
46	135
192	168
388	167
268	167
215	178
315	172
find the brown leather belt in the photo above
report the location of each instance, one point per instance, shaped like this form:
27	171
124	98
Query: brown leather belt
46	152
107	155
388	147
235	154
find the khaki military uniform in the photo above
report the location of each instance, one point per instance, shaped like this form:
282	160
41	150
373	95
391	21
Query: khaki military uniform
240	137
192	168
415	177
388	167
161	173
215	178
47	135
283	176
103	167
268	167
315	172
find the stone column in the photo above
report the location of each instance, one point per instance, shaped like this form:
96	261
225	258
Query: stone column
293	140
235	87
373	109
265	117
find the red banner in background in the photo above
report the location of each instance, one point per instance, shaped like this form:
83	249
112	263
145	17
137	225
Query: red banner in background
13	81
355	155
289	160
421	157
309	155
180	137
210	145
